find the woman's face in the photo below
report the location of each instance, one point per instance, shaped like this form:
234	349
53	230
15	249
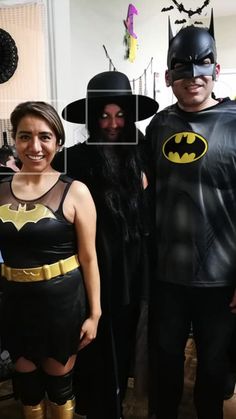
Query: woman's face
36	144
112	122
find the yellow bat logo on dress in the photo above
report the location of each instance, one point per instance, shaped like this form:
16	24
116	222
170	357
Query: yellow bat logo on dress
184	147
21	216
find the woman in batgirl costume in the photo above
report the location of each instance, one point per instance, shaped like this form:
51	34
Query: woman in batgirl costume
51	285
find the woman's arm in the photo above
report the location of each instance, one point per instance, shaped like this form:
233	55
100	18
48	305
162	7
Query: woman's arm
79	207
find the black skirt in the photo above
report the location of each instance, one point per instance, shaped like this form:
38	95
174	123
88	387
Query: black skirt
43	319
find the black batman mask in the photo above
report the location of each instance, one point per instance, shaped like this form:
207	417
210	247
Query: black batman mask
189	48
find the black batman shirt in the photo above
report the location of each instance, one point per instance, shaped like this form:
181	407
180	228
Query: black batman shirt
194	161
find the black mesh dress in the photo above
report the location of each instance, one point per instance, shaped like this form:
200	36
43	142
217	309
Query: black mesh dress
40	319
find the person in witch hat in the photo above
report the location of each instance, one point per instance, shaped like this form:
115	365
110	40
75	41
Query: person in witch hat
192	144
111	164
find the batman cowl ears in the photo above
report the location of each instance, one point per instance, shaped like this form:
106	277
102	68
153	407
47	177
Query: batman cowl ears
191	45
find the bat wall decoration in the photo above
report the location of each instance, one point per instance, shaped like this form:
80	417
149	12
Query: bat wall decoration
166	9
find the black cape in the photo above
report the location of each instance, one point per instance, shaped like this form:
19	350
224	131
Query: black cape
124	271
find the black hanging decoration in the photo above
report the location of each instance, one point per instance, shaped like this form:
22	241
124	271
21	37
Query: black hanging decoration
181	8
111	65
141	79
180	21
145	82
155	84
140	86
133	84
8	56
166	9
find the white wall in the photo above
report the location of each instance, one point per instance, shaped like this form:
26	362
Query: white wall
225	41
226	54
94	23
59	35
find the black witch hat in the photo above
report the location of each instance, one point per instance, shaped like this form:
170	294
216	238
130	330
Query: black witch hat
110	87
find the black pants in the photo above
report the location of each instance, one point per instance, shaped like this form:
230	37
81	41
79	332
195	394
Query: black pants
232	353
172	312
103	367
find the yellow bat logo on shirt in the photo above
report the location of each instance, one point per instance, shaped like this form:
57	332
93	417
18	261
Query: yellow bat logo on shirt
185	147
21	216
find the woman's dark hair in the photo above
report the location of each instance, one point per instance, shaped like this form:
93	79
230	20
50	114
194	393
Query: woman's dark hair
118	169
42	110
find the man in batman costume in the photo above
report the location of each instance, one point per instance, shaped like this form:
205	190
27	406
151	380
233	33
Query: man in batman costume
193	150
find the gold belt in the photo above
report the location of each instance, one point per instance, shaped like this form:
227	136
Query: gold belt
41	273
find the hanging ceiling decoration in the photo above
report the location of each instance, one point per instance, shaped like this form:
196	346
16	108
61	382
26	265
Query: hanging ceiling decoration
8	56
141	80
130	38
181	8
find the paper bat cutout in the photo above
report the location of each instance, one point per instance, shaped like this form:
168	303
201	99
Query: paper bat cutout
189	12
166	9
180	21
21	216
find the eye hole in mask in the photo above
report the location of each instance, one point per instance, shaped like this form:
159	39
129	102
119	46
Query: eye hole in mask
185	69
182	65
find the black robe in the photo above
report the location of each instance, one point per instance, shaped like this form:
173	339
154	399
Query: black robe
102	367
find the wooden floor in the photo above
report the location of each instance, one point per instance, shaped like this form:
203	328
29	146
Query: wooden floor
135	407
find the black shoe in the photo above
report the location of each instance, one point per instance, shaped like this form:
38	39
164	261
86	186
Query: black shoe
229	386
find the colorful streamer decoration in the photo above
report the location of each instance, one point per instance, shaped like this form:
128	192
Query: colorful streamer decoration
130	38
